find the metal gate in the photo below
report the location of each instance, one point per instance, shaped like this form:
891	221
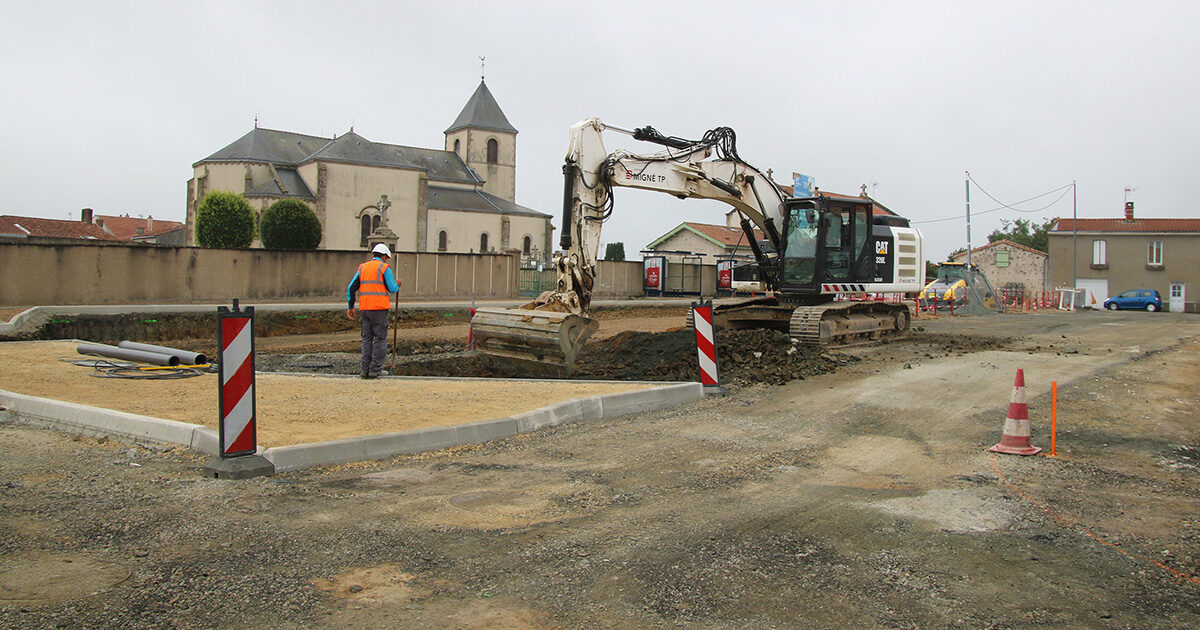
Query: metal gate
536	278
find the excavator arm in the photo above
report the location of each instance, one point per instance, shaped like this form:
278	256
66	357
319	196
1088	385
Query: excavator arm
552	328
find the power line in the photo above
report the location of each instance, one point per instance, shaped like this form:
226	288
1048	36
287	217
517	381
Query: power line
1003	205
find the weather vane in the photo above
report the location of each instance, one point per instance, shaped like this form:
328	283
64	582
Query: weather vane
481	62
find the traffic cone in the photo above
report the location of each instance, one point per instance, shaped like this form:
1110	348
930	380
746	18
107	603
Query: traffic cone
1015	440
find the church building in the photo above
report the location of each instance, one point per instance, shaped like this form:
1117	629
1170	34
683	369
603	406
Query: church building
461	198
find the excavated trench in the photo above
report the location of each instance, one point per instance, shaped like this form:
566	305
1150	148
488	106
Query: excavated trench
744	356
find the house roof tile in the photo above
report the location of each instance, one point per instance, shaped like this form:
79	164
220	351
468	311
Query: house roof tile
1121	225
877	209
125	228
24	227
723	235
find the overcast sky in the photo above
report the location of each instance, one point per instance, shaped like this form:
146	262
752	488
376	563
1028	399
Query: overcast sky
107	104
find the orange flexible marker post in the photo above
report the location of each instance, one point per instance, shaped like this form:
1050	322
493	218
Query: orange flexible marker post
1053	418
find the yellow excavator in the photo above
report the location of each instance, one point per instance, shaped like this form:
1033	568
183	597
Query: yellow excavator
820	247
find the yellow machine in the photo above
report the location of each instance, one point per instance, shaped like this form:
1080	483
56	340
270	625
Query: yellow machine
956	286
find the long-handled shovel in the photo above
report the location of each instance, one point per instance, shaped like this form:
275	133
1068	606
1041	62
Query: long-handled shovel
395	329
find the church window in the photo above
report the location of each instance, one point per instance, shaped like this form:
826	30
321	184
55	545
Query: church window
493	151
526	245
443	239
369	223
457	144
483	244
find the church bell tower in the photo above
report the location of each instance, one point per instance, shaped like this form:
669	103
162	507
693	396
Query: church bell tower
486	142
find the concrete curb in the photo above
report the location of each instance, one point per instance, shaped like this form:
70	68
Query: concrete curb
75	418
94	420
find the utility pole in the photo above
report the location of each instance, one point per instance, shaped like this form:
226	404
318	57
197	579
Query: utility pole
967	184
1074	239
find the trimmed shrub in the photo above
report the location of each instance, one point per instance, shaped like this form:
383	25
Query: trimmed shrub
225	219
290	224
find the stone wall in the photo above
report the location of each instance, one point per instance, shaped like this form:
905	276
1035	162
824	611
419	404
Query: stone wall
1027	268
95	273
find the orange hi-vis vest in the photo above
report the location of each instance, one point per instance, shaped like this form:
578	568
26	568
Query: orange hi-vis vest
372	288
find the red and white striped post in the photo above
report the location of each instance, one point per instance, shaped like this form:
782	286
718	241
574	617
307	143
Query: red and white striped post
706	347
235	349
238	433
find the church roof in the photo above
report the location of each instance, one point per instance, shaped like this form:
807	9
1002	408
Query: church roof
269	145
353	148
475	200
293	186
482	112
284	148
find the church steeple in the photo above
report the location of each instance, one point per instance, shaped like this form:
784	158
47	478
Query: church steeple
482	112
486	142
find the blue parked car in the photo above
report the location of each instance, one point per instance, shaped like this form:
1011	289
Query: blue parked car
1140	299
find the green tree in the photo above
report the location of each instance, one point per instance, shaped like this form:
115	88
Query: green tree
225	219
1024	232
614	251
290	224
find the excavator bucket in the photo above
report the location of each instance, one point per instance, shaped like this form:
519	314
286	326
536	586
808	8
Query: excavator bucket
532	336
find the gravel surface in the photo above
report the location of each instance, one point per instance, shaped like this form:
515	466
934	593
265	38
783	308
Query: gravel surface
864	497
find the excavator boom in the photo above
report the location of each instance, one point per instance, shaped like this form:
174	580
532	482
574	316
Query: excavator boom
552	328
815	248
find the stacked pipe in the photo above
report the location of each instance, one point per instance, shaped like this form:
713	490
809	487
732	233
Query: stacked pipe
143	352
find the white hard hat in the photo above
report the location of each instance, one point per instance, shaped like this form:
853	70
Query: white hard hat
382	249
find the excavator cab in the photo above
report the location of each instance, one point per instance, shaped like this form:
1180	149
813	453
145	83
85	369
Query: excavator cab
826	240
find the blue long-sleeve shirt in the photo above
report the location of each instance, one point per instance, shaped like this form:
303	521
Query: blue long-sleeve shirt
352	290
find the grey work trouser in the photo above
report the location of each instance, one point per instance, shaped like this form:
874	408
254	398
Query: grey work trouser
374	339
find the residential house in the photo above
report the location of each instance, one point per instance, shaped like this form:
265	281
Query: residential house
138	229
37	229
1010	267
1108	256
708	241
461	198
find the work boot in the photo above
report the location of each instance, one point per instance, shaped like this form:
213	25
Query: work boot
376	373
365	374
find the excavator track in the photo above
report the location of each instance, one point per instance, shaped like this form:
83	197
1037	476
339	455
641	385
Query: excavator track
840	324
832	324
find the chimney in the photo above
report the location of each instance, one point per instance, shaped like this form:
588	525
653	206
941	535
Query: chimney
86	215
1129	211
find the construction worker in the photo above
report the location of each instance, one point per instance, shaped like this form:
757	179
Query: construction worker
373	282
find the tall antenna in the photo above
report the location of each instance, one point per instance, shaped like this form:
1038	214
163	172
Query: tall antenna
482	60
